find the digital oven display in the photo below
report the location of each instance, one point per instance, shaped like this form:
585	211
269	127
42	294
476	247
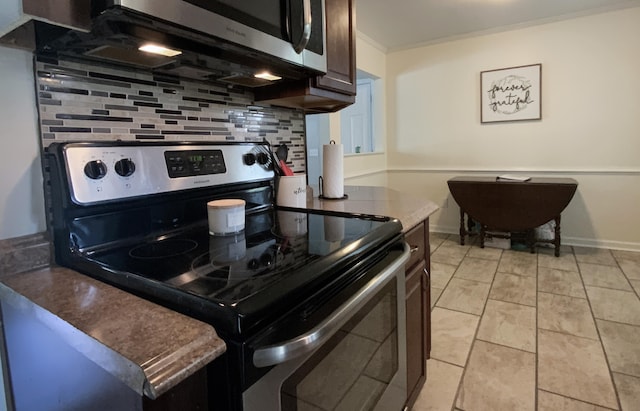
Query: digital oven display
194	163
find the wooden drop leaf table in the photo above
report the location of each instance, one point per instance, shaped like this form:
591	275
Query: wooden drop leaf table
512	206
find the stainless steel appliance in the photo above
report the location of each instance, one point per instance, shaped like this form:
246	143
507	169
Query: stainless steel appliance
311	305
218	39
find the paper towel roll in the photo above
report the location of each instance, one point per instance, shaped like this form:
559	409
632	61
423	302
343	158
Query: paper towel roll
333	228
332	170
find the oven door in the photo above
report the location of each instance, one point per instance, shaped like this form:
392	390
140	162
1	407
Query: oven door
354	358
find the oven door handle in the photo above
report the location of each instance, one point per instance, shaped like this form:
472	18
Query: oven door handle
309	341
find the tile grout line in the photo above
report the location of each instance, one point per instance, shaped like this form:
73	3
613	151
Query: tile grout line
633	289
625	374
604	352
466	363
565	295
577	399
505	346
536	402
464	367
617	322
475	335
447	362
512	302
504	301
609	288
435	304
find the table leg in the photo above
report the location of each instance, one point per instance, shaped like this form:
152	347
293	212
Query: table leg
556	238
462	230
531	240
482	234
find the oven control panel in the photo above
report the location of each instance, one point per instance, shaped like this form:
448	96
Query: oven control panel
102	172
194	163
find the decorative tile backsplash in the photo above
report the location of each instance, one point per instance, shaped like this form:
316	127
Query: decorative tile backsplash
80	101
20	254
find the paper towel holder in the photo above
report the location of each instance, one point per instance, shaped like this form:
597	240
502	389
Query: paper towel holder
321	195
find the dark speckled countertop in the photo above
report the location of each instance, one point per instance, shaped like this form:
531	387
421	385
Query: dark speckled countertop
148	347
382	201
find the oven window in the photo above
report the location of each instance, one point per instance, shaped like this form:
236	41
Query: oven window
356	367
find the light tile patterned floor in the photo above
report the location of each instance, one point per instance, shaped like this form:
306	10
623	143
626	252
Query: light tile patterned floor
513	330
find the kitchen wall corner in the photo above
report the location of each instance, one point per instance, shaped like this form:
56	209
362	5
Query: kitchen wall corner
21	194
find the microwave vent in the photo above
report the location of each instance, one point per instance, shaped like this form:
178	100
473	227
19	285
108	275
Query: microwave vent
192	72
245	80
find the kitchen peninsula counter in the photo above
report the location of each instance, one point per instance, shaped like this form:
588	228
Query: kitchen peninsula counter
380	201
148	347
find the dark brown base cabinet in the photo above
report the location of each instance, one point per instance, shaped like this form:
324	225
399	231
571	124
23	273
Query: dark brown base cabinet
189	395
336	89
418	306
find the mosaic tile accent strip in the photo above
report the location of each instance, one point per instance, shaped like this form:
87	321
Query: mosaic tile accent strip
21	254
81	101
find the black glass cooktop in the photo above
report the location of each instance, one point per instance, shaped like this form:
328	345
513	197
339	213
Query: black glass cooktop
275	245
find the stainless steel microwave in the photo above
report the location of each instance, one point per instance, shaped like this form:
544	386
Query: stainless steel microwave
290	30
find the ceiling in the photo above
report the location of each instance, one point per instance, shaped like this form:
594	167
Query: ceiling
401	24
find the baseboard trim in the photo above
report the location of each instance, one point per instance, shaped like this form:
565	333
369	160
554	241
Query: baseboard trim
472	171
364	174
596	243
566	240
444	229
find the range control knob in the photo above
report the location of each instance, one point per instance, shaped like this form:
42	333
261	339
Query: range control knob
249	159
125	167
262	158
253	264
266	259
95	169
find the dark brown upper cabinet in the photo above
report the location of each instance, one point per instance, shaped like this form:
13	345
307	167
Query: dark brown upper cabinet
334	90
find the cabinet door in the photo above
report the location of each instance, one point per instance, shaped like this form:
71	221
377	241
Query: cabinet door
416	328
334	90
190	394
417	240
340	16
427	290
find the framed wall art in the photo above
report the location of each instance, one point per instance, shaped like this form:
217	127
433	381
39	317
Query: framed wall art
511	94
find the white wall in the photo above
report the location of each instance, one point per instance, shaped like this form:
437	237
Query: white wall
21	194
590	127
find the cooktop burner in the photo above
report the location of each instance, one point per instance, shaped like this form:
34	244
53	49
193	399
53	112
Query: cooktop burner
227	269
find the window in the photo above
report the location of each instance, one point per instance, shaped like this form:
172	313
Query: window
356	121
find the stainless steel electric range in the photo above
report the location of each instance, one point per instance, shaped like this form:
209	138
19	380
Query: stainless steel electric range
310	304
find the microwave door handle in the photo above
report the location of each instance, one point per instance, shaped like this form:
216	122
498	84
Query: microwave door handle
306	343
306	28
